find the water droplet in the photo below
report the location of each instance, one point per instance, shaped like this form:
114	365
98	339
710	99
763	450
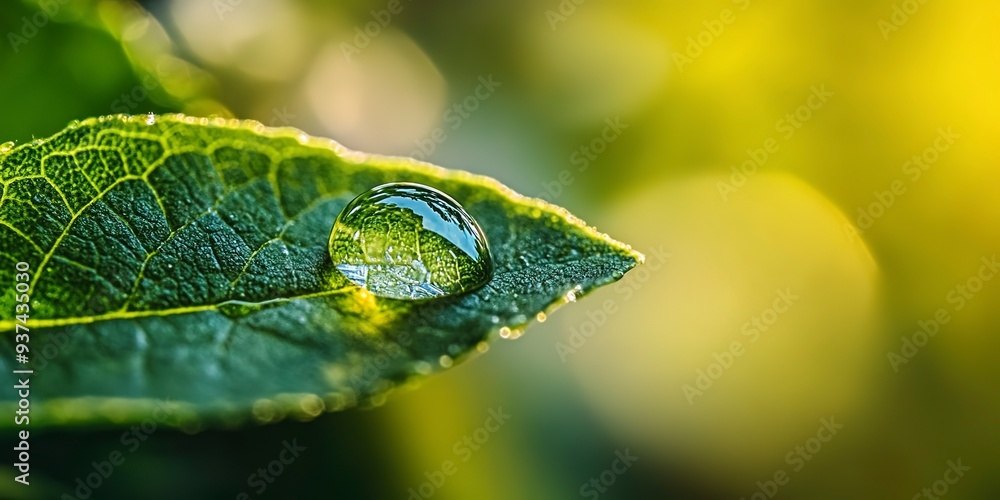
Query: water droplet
311	405
573	294
7	146
150	119
541	317
446	361
236	309
511	333
409	241
264	410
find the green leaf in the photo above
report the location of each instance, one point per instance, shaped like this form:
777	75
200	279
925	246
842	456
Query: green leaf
185	260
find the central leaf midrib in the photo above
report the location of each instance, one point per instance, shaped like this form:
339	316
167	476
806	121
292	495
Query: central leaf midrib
9	326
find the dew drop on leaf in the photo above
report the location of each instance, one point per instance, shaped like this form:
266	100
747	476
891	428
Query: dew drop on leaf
410	241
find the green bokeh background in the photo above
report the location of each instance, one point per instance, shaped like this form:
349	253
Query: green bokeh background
669	100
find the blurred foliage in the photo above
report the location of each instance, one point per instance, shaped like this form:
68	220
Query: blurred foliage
72	60
696	91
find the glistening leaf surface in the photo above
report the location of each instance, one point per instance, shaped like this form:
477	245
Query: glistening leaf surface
186	261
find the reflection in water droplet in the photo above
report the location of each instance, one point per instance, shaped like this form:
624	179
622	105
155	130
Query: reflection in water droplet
409	241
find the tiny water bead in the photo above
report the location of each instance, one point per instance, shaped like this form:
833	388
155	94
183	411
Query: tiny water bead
409	241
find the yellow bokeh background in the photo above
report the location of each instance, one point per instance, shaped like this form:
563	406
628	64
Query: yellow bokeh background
746	148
